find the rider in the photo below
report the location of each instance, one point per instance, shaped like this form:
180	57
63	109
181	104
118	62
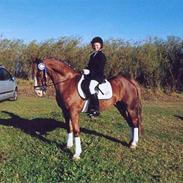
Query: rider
96	73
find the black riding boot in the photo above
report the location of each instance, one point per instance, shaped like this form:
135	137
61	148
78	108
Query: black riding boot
94	105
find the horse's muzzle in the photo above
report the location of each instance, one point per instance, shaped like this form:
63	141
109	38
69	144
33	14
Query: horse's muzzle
40	92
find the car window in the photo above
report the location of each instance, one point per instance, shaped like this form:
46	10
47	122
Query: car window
4	74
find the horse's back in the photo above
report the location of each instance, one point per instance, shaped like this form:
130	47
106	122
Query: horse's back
123	87
121	81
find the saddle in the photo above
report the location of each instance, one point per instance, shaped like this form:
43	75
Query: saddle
103	90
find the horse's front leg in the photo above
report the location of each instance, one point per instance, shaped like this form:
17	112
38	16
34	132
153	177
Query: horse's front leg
134	128
76	129
69	134
69	141
134	137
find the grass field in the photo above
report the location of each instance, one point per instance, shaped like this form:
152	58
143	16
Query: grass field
32	139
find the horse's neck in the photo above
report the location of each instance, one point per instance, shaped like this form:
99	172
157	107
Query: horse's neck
60	73
61	69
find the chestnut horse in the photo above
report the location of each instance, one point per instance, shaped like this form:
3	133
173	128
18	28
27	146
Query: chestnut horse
126	98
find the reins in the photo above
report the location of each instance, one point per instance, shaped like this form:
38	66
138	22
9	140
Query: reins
48	85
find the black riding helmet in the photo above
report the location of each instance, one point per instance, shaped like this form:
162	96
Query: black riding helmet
97	40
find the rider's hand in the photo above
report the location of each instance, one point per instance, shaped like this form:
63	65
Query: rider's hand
86	71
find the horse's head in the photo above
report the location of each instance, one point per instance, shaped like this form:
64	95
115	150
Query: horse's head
40	77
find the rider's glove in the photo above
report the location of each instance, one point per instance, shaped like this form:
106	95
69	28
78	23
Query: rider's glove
86	71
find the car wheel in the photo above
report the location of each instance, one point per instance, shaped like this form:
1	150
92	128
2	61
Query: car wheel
15	95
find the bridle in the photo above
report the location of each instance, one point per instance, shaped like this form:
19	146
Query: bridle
42	68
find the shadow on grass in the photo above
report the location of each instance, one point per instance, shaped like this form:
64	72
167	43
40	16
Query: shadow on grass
38	128
179	117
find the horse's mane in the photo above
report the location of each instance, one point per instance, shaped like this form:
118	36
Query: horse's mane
70	66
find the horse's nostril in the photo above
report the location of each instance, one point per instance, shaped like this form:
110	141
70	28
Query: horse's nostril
39	93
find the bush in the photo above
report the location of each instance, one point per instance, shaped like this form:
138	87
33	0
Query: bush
155	63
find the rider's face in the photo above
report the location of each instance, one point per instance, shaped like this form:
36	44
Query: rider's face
96	46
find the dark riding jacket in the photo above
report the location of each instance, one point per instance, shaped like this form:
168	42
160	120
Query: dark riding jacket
96	66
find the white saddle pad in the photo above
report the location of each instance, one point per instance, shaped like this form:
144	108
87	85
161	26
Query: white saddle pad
105	91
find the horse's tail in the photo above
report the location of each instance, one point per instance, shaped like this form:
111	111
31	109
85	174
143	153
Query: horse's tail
141	125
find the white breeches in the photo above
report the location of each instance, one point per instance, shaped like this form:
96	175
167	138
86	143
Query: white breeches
93	84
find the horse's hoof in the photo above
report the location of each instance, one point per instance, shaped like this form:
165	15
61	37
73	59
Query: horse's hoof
69	146
133	146
76	157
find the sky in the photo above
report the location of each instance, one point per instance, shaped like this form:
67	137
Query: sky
111	19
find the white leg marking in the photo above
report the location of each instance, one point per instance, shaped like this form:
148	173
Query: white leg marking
69	140
135	137
77	148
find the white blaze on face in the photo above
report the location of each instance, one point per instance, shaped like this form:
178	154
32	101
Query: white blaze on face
37	90
35	81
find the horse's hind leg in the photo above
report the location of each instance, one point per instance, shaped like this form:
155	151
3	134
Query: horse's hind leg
134	118
122	107
131	116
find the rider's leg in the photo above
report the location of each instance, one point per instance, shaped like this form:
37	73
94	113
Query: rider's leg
94	107
92	86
